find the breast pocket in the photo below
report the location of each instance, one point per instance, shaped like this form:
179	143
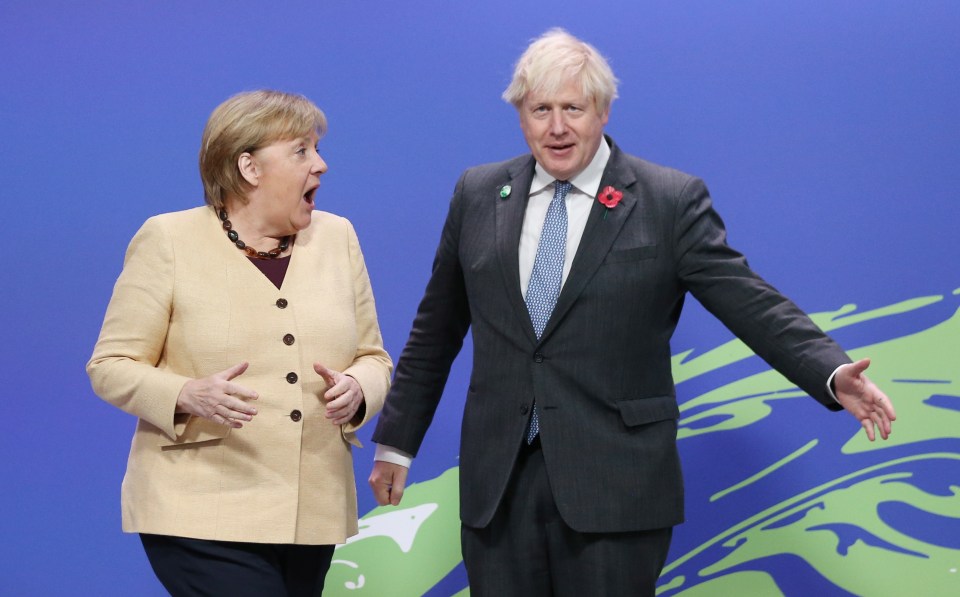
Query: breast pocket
632	254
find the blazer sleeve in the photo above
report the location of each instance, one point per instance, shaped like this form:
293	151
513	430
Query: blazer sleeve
435	340
769	323
124	367
372	365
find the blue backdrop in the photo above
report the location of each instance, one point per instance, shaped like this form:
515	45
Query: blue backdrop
828	135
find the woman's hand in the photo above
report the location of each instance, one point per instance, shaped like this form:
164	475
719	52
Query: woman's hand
343	397
217	398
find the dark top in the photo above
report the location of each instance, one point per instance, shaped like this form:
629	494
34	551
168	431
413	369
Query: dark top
273	269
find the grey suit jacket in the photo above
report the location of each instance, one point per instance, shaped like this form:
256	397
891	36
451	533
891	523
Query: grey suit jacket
600	373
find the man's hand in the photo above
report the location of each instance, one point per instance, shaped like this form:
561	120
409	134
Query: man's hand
863	399
387	482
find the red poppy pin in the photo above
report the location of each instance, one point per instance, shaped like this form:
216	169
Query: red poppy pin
609	197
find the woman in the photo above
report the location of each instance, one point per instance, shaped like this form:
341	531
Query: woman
244	337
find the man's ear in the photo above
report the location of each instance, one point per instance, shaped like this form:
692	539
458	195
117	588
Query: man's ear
605	116
249	169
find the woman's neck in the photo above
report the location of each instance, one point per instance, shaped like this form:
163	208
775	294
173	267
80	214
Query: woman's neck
250	228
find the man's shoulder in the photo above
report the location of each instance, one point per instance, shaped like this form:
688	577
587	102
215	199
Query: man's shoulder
506	168
646	169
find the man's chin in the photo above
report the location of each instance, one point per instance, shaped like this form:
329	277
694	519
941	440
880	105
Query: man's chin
560	173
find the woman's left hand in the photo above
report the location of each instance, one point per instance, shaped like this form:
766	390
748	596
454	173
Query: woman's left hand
344	395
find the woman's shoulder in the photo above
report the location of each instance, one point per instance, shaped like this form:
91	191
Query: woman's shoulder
325	218
187	223
177	227
327	232
326	223
194	216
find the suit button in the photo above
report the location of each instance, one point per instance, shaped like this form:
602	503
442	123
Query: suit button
292	377
524	409
538	358
296	415
288	339
282	303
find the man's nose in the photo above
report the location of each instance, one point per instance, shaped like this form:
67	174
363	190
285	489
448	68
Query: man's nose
558	123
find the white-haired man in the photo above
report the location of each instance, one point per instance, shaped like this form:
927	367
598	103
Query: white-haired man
570	265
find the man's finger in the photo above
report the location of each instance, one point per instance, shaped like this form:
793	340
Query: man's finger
387	482
887	405
397	485
380	487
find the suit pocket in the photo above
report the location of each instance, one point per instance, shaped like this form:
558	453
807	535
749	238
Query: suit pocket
193	430
350	437
642	411
634	254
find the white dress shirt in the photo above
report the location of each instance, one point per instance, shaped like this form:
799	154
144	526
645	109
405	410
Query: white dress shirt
579	200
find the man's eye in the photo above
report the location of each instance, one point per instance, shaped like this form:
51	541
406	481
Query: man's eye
302	151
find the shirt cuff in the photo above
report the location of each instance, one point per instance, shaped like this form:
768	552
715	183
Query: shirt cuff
393	456
830	385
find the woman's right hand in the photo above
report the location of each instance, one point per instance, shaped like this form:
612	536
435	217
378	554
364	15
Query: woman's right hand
216	398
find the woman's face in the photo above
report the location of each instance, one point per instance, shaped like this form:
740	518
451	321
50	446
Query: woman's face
287	174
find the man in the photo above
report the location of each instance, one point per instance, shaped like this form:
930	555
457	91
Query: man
571	265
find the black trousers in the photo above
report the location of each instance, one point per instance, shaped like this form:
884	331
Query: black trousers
199	567
527	550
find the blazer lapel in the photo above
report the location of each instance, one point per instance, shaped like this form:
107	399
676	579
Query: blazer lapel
510	213
603	226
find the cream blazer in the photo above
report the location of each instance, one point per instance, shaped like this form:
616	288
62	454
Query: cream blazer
188	304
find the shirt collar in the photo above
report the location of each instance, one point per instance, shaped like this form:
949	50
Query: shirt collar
587	182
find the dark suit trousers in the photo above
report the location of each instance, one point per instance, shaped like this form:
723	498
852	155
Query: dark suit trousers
198	567
527	549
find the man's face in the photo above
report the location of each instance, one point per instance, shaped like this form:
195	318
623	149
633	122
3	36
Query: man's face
563	131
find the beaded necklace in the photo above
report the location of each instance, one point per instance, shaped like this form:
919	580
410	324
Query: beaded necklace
250	251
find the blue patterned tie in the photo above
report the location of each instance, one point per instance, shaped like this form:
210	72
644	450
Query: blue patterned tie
547	274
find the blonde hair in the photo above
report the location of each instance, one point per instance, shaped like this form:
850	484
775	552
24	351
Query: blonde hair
554	59
244	123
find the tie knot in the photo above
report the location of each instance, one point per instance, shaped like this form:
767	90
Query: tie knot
560	188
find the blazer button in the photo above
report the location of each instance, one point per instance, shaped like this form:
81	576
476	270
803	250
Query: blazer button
524	409
288	339
292	377
538	358
296	415
282	303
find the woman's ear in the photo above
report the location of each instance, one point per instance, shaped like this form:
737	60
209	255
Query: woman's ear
249	168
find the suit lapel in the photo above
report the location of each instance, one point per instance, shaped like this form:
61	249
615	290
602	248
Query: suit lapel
510	213
603	227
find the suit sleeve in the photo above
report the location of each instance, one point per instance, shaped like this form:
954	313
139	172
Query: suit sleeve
372	365
123	369
768	322
436	338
